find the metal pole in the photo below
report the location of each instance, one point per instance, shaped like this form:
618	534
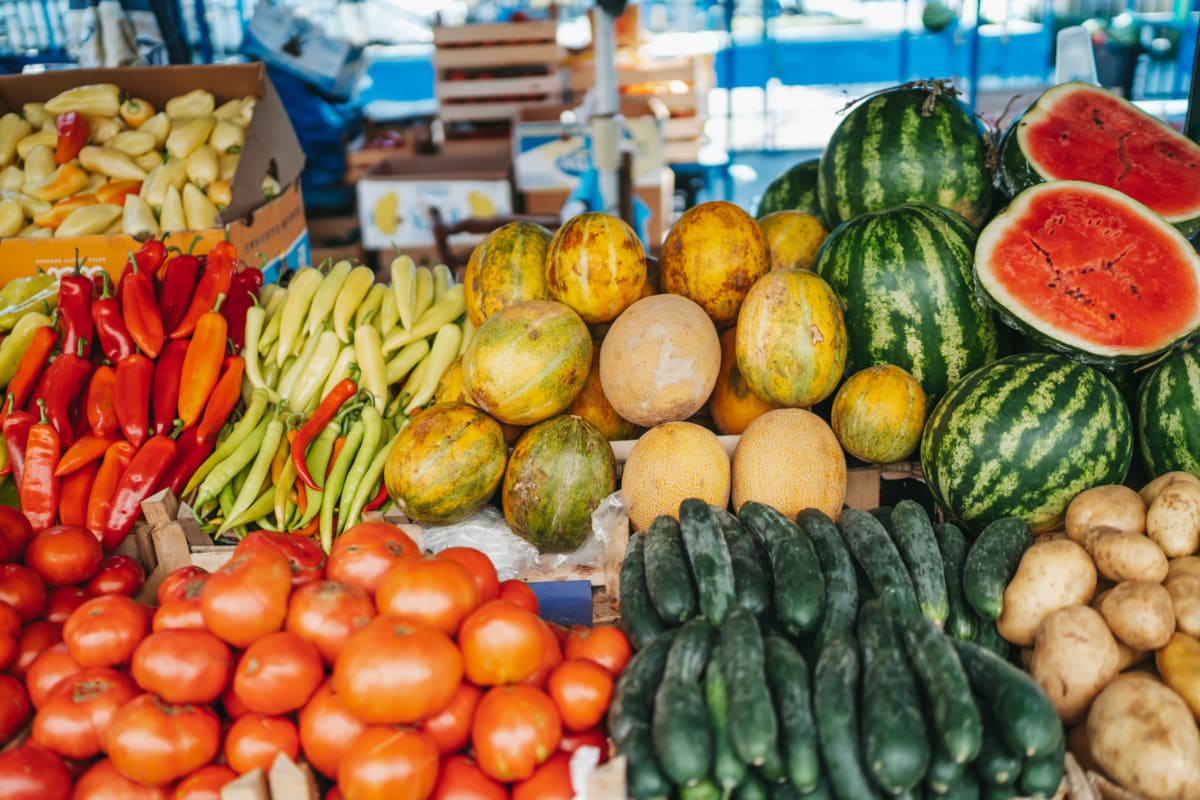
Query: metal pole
973	56
606	134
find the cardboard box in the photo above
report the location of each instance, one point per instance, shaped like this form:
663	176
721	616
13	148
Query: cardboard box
659	197
274	229
393	197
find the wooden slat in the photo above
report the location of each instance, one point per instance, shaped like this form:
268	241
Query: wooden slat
533	31
288	779
499	56
250	786
503	87
472	112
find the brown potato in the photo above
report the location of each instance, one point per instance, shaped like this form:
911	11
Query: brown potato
1173	519
1122	556
1074	657
1151	489
1130	657
1140	614
1108	506
1053	574
1185	602
1179	665
1188	565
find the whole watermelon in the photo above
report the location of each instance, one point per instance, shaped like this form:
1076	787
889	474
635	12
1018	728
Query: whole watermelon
904	279
795	189
915	143
1168	415
1022	436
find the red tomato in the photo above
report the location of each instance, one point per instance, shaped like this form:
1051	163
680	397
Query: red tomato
432	591
550	781
76	714
23	589
551	657
64	554
365	551
35	637
305	556
451	727
480	566
501	643
255	740
561	633
327	729
278	673
460	778
154	742
15	708
519	592
327	612
51	666
247	598
516	728
183	666
393	672
106	630
592	737
607	645
118	574
63	600
233	707
204	784
176	580
180	610
30	772
104	782
389	764
581	690
10	634
16	532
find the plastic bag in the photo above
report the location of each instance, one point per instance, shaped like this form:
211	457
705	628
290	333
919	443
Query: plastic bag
609	519
488	532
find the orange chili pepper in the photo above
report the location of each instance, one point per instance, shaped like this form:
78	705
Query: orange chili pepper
73	493
202	364
114	192
112	467
54	216
224	398
84	451
310	529
333	454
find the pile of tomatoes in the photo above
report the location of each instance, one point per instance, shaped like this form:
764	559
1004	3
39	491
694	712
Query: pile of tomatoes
393	674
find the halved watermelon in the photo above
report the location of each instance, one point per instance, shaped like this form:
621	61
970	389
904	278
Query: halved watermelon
1076	131
1090	272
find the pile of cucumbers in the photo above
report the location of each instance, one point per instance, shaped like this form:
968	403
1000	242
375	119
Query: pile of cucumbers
812	659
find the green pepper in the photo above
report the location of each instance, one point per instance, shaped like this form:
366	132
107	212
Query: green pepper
225	499
247	425
14	345
225	471
20	296
368	486
257	476
372	423
255	512
317	460
336	479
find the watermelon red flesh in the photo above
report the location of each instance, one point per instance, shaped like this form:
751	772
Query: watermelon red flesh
1090	272
1079	132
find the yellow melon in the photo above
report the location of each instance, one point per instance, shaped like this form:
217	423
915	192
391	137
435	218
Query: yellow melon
790	459
792	238
878	414
733	405
592	405
659	360
596	265
451	389
508	266
670	463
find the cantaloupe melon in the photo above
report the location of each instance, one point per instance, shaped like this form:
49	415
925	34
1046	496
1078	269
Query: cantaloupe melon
660	359
790	459
670	463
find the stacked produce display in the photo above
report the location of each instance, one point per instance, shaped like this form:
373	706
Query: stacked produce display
1013	313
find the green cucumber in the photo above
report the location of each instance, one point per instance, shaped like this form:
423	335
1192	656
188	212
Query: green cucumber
943	772
1041	776
991	562
1023	713
639	619
799	586
703	790
841	581
633	694
835	707
751	570
709	558
787	676
957	727
953	547
679	727
752	724
883	514
988	637
966	788
1006	791
996	764
894	740
728	769
773	770
874	550
914	537
752	788
786	791
668	578
644	778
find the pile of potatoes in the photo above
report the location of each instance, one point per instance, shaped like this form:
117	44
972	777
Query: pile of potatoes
1108	612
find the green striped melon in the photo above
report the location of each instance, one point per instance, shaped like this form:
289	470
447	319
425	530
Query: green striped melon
508	266
904	279
795	189
915	143
1079	132
1168	415
1022	436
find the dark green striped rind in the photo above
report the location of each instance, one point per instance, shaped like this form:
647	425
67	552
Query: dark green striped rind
1021	437
793	190
906	145
905	282
1168	415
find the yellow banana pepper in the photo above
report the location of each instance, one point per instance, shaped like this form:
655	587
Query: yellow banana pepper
135	111
137	217
40	164
149	160
230	109
36	114
101	130
246	112
89	220
187	136
133	143
19	292
227	137
59	212
66	180
12	178
12	218
111	162
196	103
32	231
15	343
158	126
220	192
202	166
227	164
27	144
30	205
97	99
95	181
12	130
171	218
198	210
172	174
115	191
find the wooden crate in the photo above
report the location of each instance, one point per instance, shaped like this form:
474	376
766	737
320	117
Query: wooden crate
286	780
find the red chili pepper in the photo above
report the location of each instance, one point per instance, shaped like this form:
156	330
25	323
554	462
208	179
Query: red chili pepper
168	377
16	435
215	281
39	485
33	363
325	412
139	306
135	375
190	453
87	448
100	498
138	482
178	285
73	134
73	494
243	293
224	398
100	402
202	364
61	387
114	337
149	257
75	310
379	499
